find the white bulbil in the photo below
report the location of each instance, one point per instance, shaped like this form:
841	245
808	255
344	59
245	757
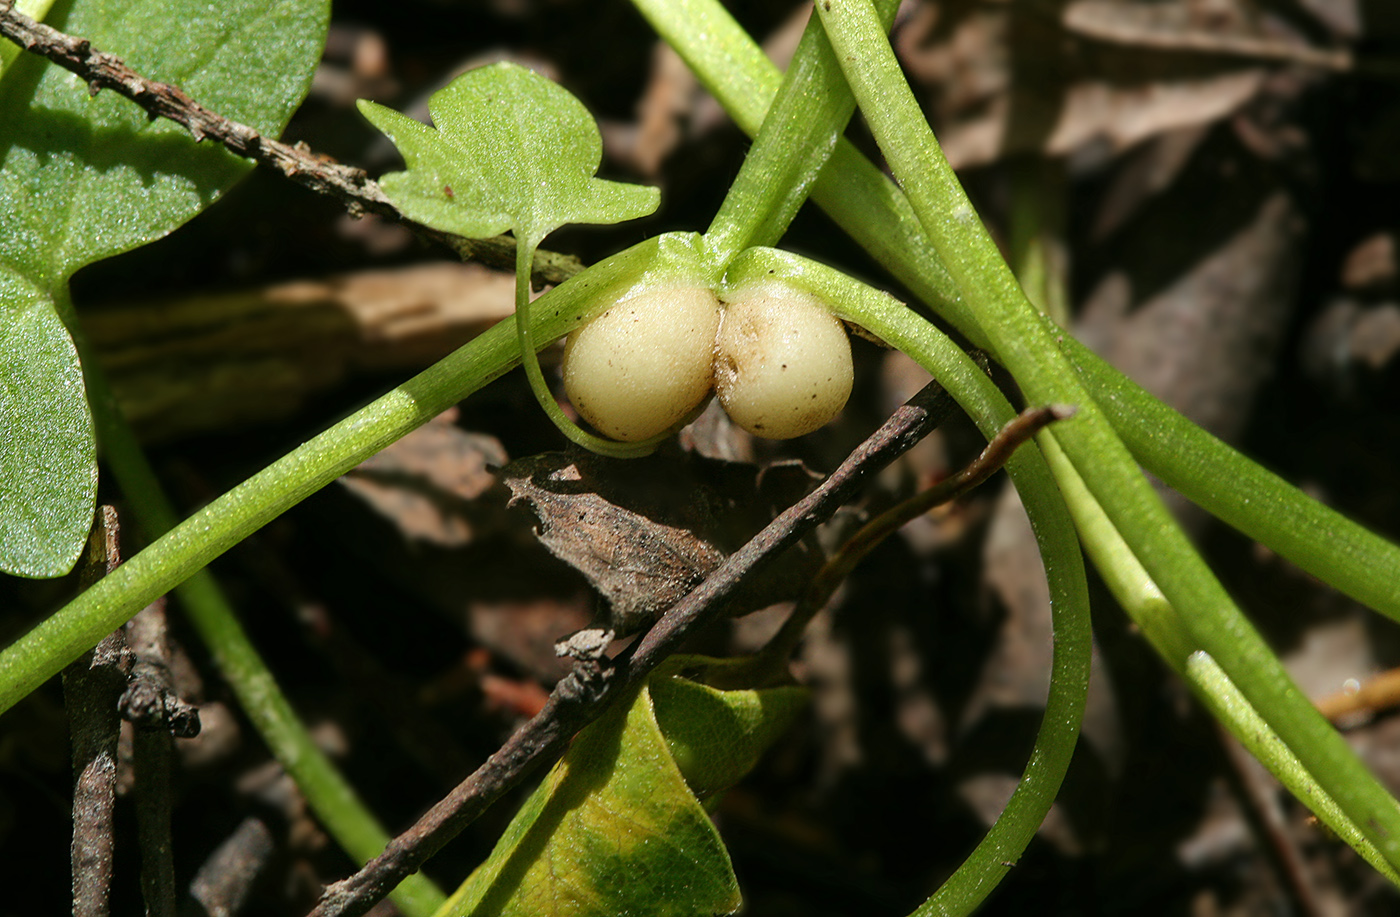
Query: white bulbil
644	365
782	363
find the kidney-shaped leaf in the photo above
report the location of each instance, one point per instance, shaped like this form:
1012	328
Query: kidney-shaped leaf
614	828
84	178
510	150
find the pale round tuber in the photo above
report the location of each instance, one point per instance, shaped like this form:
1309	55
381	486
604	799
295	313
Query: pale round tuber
644	366
782	363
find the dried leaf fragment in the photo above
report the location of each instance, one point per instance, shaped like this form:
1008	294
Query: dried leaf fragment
622	525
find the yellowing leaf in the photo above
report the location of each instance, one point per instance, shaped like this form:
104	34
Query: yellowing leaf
614	829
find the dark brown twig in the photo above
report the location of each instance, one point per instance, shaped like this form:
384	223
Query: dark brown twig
582	695
351	186
91	686
154	754
157	713
997	453
151	702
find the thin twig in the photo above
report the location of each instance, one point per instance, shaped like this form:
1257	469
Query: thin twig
1256	792
1017	431
225	881
582	695
157	713
91	686
154	754
351	186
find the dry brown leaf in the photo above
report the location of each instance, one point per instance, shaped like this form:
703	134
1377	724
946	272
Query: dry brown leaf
645	532
1055	78
1220	27
424	481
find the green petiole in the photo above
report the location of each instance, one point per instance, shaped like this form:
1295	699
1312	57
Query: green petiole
524	258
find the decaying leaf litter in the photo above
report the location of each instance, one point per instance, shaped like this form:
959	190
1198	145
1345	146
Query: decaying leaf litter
1215	180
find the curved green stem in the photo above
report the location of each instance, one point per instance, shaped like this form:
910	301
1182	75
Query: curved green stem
524	258
889	320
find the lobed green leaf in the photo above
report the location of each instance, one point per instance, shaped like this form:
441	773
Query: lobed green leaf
509	150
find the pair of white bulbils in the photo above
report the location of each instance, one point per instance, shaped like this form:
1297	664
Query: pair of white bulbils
779	361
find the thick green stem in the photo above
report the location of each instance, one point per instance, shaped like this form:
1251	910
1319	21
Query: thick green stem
799	135
1033	355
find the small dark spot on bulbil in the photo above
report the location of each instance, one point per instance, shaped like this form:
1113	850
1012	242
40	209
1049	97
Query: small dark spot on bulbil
784	366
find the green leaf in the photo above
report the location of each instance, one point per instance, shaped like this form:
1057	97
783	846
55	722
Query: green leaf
614	828
511	150
717	736
48	469
83	178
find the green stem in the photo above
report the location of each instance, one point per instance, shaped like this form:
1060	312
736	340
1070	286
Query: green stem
889	320
1033	355
227	520
1242	493
1229	705
1036	234
799	135
333	800
865	203
1135	591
